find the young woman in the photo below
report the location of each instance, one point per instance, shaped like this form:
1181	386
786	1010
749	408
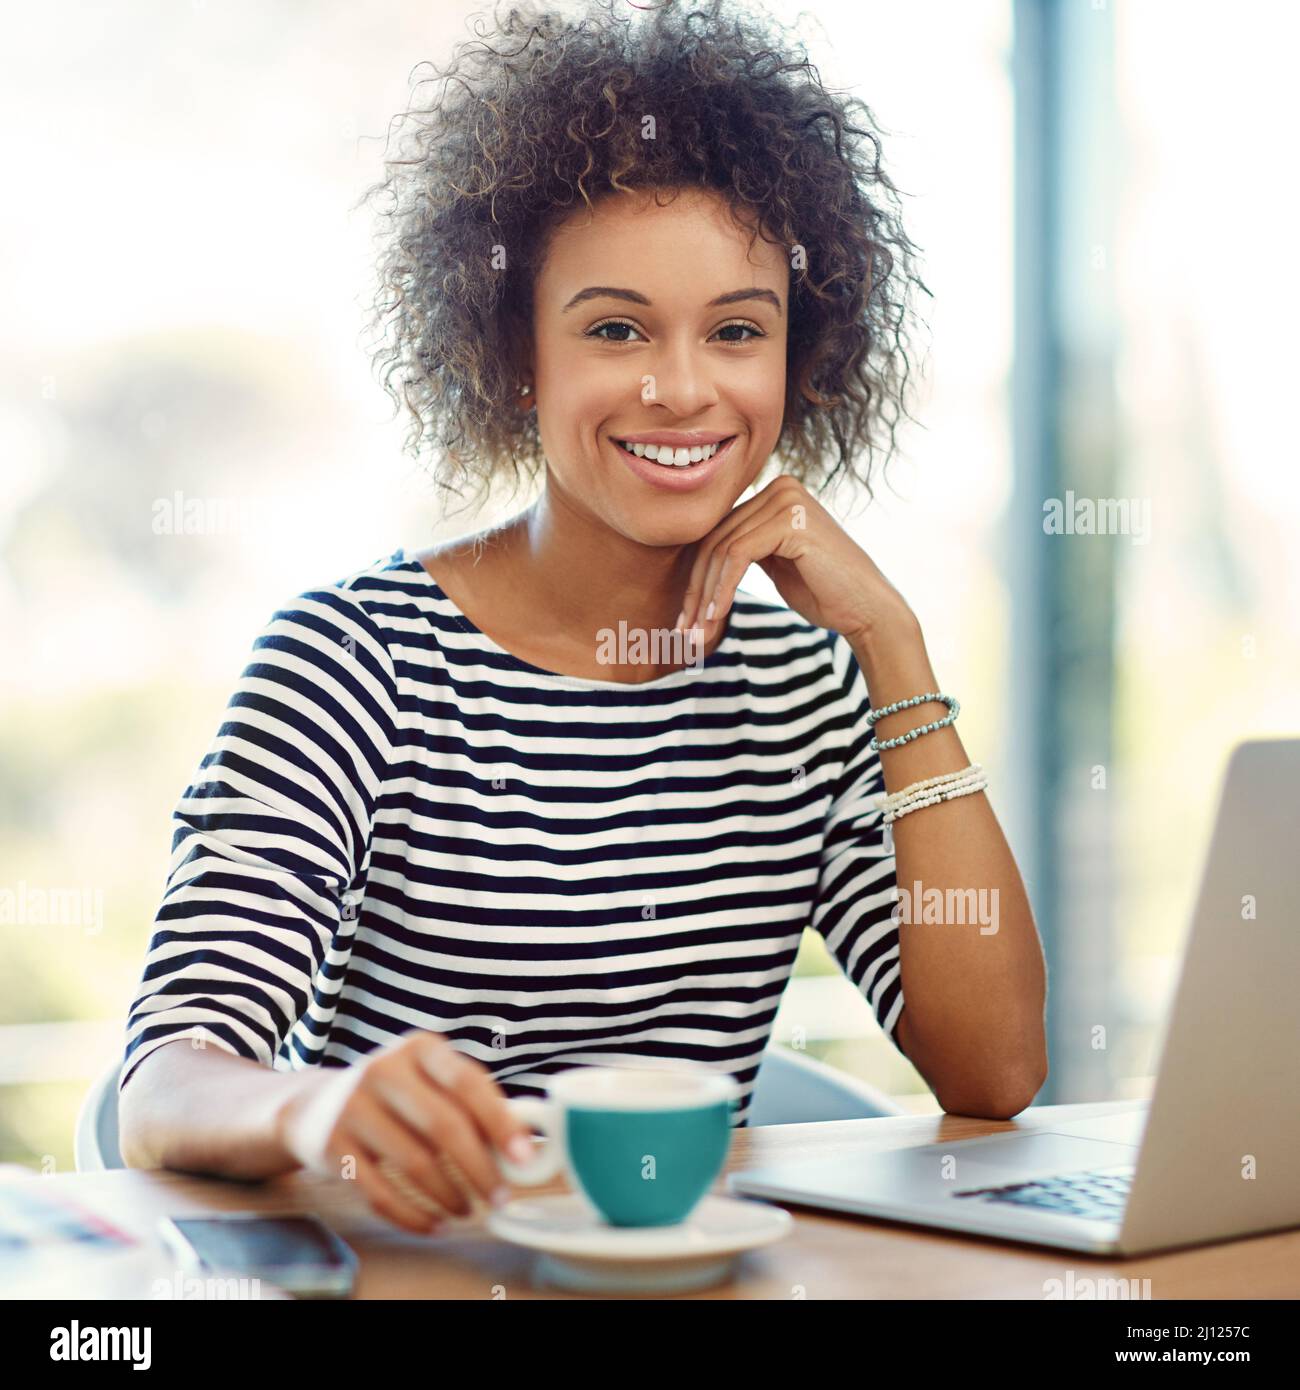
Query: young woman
560	794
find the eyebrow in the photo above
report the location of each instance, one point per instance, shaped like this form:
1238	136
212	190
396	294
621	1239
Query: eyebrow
608	292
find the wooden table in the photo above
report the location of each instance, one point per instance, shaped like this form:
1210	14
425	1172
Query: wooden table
826	1256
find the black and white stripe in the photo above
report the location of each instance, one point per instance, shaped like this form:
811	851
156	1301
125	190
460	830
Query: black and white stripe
400	825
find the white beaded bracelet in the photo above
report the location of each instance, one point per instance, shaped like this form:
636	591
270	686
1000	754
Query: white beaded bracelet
931	792
950	795
918	789
963	774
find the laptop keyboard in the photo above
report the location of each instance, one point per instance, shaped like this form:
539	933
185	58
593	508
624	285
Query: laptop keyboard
1097	1195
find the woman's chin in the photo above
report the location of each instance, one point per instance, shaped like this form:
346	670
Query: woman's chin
668	530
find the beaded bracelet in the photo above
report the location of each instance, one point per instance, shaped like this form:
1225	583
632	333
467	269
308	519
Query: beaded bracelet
948	795
876	746
890	801
918	790
965	786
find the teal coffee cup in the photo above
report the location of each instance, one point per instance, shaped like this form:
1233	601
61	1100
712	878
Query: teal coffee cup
642	1146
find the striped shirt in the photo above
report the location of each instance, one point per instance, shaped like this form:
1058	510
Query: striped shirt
400	825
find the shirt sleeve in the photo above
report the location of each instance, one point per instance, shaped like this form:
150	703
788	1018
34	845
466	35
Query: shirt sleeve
857	886
271	836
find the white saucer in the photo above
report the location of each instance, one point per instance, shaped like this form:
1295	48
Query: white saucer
581	1251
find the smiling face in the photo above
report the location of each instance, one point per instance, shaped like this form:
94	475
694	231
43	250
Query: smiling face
661	327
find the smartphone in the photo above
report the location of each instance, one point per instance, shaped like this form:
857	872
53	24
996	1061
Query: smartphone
296	1253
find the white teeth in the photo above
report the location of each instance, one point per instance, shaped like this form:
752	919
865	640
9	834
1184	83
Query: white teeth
673	458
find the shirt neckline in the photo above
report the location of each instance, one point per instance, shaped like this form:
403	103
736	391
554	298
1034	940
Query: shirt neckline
467	625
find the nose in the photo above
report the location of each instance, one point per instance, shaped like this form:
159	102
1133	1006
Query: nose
682	381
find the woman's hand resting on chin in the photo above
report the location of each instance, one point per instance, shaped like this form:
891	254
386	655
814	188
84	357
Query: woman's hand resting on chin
820	572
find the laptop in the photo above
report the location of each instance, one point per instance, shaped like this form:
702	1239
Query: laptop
1214	1154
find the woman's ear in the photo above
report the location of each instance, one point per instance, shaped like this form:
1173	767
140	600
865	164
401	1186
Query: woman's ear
525	384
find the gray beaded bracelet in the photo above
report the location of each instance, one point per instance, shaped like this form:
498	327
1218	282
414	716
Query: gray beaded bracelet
873	715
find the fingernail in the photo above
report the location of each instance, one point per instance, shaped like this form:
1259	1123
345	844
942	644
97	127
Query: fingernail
520	1149
709	611
501	1196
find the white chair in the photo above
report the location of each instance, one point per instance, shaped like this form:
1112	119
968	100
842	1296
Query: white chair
95	1144
791	1089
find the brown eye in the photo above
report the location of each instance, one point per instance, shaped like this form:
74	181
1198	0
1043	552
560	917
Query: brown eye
743	327
597	330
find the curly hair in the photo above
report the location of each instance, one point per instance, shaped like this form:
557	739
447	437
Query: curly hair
545	111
